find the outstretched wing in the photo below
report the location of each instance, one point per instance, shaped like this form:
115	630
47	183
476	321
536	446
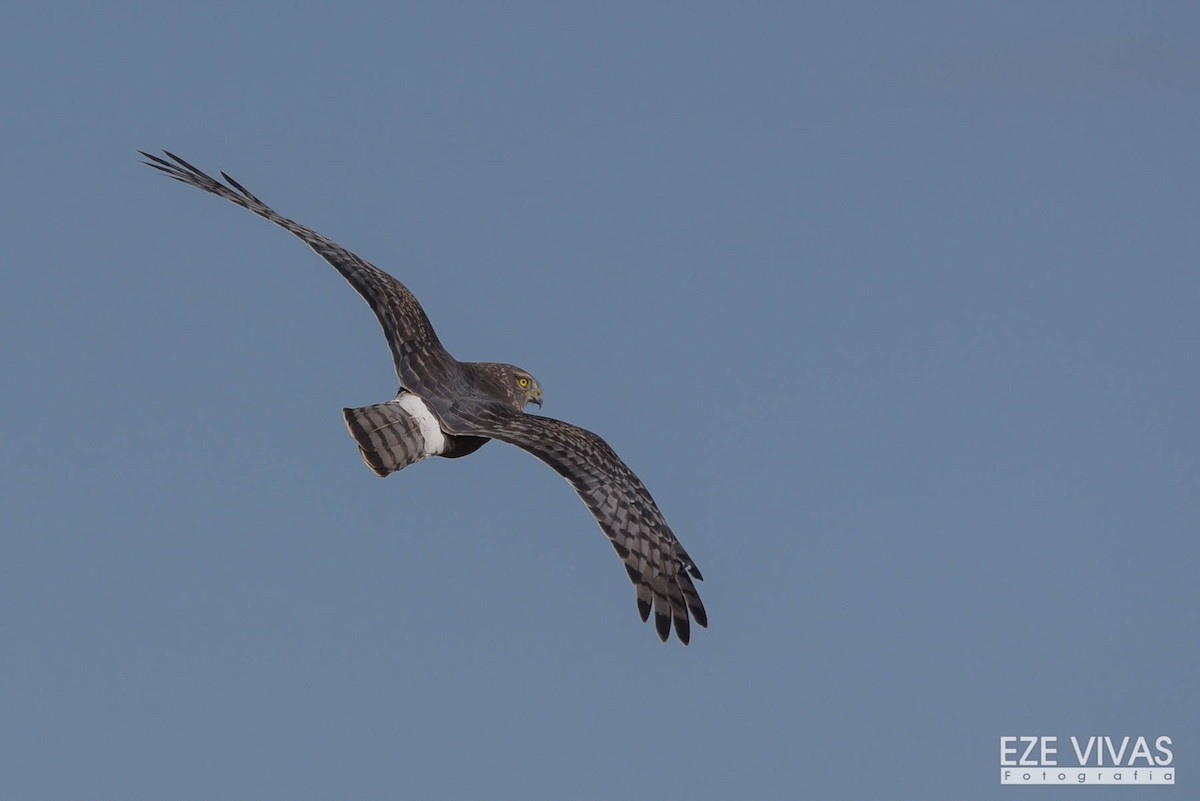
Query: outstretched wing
417	353
659	567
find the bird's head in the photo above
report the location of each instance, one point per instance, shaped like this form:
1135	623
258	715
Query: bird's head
527	389
512	384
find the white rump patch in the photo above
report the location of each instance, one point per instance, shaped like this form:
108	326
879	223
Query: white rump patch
431	430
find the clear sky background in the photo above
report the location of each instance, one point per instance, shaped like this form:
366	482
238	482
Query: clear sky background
892	306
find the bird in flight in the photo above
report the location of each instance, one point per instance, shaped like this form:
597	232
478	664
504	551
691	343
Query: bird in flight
450	408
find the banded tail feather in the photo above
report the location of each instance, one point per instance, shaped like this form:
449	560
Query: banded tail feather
395	434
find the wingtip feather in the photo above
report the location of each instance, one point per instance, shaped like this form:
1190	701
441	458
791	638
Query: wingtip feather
662	624
683	629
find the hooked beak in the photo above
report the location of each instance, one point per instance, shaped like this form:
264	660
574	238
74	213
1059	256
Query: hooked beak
537	400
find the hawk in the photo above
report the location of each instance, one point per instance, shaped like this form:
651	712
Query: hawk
450	408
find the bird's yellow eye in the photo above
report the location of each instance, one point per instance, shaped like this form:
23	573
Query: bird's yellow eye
524	382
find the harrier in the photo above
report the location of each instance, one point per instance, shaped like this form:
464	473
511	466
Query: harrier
450	408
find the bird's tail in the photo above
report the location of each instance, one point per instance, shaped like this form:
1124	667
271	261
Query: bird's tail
388	437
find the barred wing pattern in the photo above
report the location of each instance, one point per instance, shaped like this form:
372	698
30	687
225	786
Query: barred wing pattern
422	364
658	566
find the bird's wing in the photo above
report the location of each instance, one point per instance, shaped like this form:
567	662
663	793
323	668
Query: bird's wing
416	351
659	567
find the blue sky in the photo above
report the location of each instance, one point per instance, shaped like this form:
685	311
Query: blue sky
892	306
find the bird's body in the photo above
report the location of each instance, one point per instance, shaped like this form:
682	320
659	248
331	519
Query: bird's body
450	409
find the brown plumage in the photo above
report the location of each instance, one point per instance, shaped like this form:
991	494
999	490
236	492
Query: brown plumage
450	408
